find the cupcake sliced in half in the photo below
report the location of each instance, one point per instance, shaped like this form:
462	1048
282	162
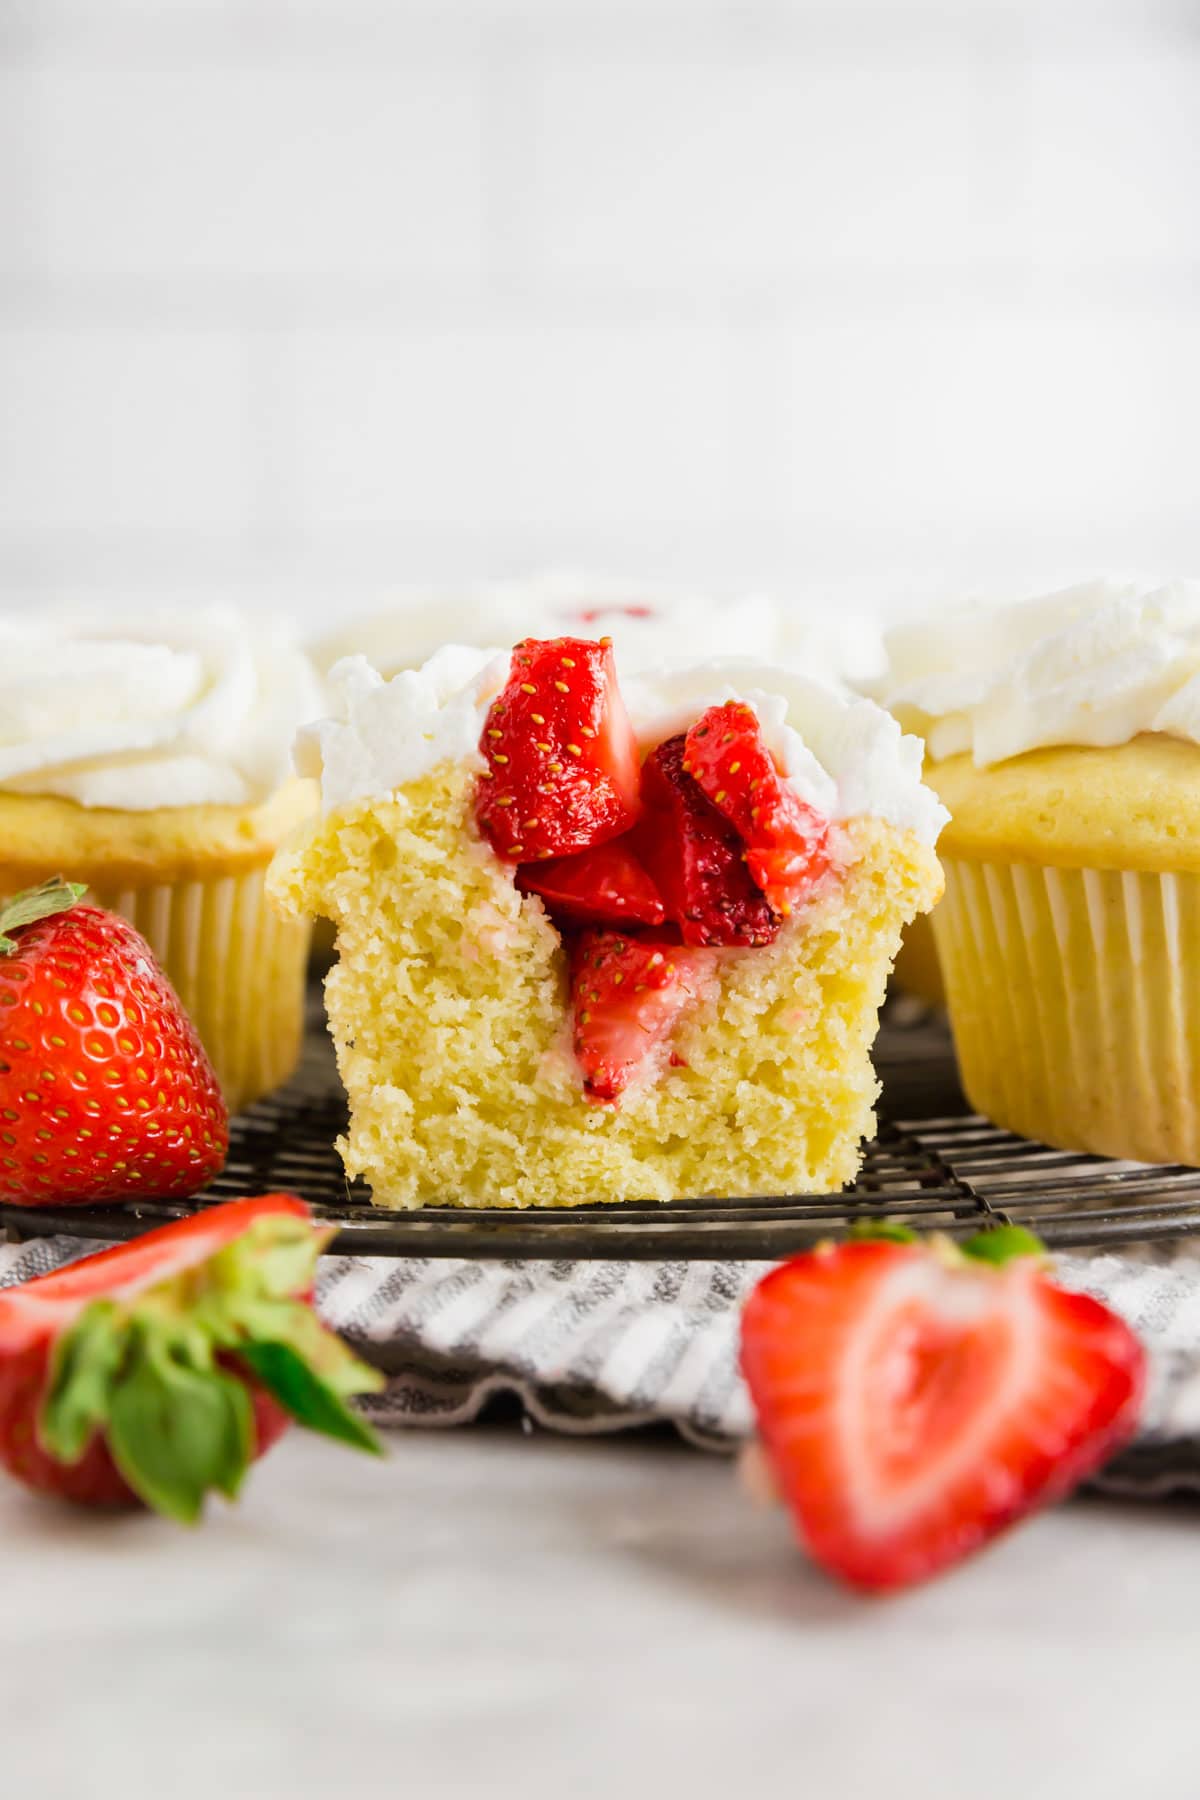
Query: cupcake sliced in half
603	947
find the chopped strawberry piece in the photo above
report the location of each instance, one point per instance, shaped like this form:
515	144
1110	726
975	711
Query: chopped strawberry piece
627	994
605	886
562	758
697	859
787	847
913	1401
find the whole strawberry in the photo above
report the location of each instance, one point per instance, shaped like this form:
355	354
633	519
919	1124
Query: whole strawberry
157	1372
105	1090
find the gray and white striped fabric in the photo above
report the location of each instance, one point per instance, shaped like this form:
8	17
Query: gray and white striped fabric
606	1346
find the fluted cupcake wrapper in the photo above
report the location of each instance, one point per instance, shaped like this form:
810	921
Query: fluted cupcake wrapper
237	967
1074	997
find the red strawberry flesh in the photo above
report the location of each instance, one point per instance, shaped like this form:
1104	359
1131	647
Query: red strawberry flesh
605	886
562	760
627	995
124	1270
697	859
786	841
912	1404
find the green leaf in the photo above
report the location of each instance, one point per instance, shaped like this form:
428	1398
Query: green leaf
275	1258
889	1231
53	896
312	1402
294	1323
177	1432
1001	1243
86	1361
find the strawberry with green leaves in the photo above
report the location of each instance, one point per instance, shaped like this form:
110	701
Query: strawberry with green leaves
157	1372
914	1399
105	1089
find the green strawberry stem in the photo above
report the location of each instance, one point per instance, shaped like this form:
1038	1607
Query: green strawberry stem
53	896
996	1244
889	1231
1000	1243
164	1377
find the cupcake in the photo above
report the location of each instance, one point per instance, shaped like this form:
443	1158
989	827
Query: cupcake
1063	735
918	971
604	940
148	756
650	625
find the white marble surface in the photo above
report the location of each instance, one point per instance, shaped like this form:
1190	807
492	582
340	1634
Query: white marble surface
492	1613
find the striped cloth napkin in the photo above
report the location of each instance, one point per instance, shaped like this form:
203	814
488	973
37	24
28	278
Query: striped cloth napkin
605	1346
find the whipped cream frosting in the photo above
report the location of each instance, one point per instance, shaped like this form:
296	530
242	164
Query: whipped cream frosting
1098	663
846	757
648	624
151	710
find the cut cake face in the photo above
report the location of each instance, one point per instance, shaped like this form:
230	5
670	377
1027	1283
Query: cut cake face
599	951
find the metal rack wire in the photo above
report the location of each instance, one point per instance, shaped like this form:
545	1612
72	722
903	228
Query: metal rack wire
933	1164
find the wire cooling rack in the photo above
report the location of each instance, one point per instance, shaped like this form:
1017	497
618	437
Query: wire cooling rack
933	1164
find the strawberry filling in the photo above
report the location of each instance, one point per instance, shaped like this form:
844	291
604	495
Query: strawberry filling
627	994
786	842
604	886
697	858
647	869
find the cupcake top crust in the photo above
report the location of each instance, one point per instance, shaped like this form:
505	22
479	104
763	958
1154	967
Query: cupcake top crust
1093	665
846	757
150	711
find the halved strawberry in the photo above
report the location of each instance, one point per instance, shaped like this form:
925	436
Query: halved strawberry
787	843
913	1400
696	858
157	1371
605	886
627	994
562	759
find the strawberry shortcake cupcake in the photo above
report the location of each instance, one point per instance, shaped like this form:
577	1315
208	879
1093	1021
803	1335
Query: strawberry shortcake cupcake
599	945
646	621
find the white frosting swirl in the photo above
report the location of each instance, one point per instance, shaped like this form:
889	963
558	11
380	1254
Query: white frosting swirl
650	625
846	757
150	711
1094	664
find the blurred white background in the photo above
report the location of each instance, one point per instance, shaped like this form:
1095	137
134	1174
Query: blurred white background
303	300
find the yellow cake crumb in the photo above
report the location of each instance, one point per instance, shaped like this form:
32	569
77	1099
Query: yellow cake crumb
448	1008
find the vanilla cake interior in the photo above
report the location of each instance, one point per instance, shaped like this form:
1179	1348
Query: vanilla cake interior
449	1010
